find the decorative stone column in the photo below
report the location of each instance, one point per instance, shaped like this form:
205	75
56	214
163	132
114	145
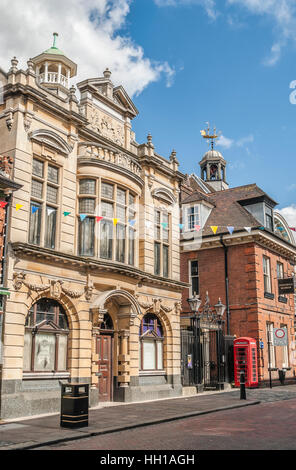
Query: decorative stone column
124	359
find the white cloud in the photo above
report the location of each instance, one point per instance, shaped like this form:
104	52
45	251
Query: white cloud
228	143
89	34
282	13
289	213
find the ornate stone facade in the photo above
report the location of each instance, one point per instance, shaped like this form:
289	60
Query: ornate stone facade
77	286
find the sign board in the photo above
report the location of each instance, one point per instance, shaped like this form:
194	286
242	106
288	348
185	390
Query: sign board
280	337
286	286
189	361
261	345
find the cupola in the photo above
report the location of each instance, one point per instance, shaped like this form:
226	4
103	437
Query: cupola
54	70
213	165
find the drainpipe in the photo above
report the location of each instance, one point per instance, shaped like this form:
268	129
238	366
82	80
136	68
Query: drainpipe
226	283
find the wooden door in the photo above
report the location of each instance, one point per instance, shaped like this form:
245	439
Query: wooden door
104	348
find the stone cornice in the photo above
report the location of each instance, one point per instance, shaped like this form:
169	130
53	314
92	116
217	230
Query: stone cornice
93	264
111	166
264	238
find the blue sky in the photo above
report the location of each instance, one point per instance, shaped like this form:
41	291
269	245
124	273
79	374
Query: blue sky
184	62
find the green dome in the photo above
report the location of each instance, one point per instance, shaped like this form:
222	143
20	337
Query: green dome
54	50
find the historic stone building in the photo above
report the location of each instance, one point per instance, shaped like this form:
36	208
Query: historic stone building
93	265
235	246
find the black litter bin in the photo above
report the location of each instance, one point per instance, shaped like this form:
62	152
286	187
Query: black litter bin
74	405
282	376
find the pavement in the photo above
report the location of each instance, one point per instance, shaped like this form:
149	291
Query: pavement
32	433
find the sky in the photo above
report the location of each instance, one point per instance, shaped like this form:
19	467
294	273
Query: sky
184	63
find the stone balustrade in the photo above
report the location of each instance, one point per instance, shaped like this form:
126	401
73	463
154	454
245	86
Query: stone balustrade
53	77
104	153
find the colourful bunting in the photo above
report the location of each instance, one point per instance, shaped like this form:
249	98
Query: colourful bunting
181	226
34	209
50	210
293	228
82	217
248	229
197	227
261	228
67	213
132	222
148	224
164	224
18	206
115	221
214	228
230	230
99	218
3	203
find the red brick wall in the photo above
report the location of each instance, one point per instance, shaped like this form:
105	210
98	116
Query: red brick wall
249	310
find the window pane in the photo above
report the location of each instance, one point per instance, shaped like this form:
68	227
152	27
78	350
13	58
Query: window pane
35	223
86	236
194	268
131	247
44	352
165	261
87	186
107	209
37	168
106	239
159	355
157	258
27	351
52	194
120	243
86	206
50	231
53	174
62	352
120	213
121	196
149	355
107	190
37	189
131	200
157	217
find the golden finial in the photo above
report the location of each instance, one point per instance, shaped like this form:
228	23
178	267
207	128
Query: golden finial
210	136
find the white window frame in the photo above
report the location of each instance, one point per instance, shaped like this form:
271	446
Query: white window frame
267	274
189	227
191	293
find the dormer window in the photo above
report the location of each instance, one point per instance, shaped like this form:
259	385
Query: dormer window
268	218
192	217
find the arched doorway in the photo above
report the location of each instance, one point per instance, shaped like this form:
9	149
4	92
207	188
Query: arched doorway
104	346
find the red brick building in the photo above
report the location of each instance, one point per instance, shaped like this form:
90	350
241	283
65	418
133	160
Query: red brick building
236	246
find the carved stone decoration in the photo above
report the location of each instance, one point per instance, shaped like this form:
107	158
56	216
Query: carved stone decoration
28	117
155	306
89	288
56	287
98	316
178	307
9	119
106	126
18	279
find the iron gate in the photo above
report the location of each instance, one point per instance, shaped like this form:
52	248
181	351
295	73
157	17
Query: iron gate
187	360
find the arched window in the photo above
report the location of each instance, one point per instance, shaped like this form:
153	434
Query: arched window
46	338
151	343
107	323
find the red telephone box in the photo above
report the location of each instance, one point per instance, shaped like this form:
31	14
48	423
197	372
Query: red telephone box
245	359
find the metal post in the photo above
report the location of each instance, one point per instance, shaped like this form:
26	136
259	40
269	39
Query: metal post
242	383
269	360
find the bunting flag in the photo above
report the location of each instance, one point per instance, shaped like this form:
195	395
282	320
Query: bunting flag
99	218
281	229
148	224
34	209
3	203
181	226
164	224
18	206
50	210
230	230
197	227
293	228
214	228
82	217
115	221
248	229
261	228
67	213
132	222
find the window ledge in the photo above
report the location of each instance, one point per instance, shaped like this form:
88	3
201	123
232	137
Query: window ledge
284	300
152	372
45	375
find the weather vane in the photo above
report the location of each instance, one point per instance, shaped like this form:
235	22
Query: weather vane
210	136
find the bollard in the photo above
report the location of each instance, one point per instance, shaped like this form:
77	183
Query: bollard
242	383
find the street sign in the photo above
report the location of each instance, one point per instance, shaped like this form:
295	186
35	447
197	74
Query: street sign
280	337
261	345
286	286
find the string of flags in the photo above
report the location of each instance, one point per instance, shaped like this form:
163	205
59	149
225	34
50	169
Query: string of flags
148	224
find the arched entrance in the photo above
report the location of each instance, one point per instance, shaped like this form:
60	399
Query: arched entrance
104	348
